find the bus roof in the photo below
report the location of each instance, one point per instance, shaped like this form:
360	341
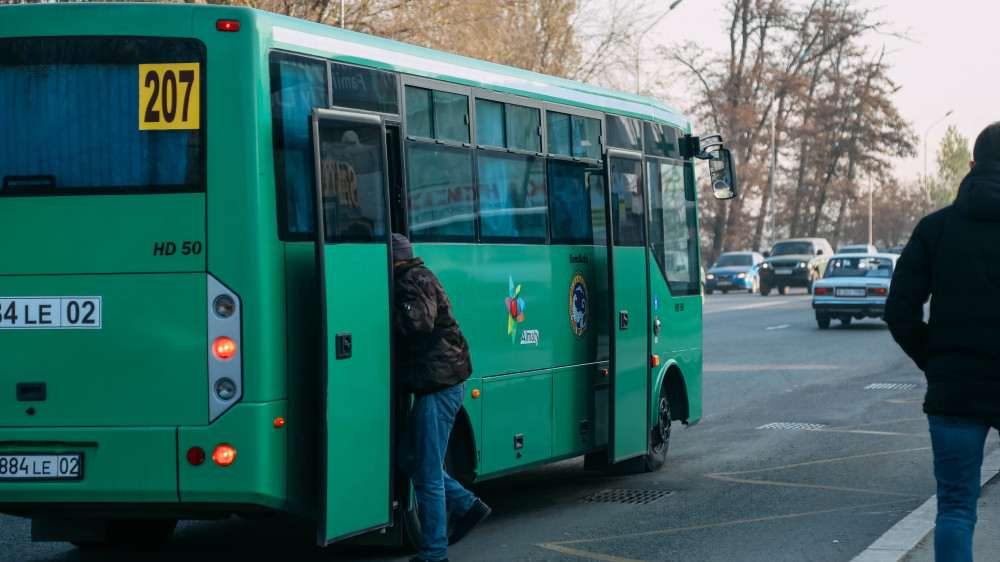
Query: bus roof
349	46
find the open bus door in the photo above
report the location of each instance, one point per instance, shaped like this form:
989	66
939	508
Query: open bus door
628	273
354	267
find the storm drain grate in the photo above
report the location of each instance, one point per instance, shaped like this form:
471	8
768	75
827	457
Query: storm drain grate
890	386
626	496
790	425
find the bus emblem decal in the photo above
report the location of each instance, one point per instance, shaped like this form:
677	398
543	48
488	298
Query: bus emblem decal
579	305
515	310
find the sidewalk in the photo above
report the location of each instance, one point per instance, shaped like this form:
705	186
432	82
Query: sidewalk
912	539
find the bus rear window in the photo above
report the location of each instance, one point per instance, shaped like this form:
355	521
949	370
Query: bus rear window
101	115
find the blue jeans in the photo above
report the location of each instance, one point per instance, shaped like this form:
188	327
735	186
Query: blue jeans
958	443
421	455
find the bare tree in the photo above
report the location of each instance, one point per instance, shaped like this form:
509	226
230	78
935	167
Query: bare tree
830	97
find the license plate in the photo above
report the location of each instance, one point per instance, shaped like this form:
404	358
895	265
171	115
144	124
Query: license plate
41	466
783	271
851	292
723	284
50	312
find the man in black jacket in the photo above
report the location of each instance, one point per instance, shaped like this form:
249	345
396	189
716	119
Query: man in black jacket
432	362
954	255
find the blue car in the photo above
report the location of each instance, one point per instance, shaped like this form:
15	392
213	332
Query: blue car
734	271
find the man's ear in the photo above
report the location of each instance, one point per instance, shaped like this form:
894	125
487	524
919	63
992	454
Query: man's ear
972	165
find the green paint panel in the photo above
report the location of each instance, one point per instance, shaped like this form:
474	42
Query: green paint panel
516	405
103	234
574	422
145	366
631	369
679	342
477	279
359	437
258	473
119	464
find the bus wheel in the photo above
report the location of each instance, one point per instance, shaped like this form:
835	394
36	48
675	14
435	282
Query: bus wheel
142	533
412	535
659	435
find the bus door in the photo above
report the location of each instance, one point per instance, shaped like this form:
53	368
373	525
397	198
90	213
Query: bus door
355	345
628	429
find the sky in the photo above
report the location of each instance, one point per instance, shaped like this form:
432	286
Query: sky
946	65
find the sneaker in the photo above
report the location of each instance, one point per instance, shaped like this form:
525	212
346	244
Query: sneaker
472	518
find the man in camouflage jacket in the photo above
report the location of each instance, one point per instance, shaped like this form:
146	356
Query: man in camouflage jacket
432	362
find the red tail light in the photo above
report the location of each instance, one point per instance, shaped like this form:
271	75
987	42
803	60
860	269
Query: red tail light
227	25
877	291
196	455
224	455
820	291
224	348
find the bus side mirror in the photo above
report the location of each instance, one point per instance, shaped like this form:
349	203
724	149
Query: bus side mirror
720	163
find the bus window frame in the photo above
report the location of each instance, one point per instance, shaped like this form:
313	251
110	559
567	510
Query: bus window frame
579	112
512	99
284	234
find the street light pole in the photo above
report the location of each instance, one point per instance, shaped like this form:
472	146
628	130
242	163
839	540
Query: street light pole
925	142
638	43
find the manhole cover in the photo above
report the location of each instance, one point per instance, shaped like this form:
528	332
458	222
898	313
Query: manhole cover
890	386
626	496
792	425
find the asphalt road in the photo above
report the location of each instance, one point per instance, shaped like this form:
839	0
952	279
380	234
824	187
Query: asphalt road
845	463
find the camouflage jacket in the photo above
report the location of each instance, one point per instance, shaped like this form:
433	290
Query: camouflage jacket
431	352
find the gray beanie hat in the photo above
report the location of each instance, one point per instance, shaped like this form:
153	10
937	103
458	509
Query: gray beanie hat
401	248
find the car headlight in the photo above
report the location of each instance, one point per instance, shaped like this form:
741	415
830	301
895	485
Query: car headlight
765	266
741	275
709	276
802	264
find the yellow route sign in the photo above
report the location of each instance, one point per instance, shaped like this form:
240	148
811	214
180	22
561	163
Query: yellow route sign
169	96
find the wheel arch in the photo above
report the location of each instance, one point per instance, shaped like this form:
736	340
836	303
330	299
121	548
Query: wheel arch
461	455
671	378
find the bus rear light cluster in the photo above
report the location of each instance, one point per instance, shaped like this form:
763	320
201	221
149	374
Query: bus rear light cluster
223	455
225	350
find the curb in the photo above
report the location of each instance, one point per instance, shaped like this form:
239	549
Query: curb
904	536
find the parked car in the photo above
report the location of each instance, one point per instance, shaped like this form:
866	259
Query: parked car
853	286
734	271
796	262
894	250
858	249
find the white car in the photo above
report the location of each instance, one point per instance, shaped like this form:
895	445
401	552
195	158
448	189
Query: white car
854	286
858	249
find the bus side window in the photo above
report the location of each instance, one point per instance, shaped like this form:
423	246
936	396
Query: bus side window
298	84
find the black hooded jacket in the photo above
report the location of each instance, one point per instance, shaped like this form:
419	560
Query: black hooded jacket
431	352
954	255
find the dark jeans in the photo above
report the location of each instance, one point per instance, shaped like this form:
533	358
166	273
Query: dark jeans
421	455
958	443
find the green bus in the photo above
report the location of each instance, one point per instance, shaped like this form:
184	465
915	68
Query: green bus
177	342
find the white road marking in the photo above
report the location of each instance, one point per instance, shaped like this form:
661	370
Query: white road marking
781	327
745	307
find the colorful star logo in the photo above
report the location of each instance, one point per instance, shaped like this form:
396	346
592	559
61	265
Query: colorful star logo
515	309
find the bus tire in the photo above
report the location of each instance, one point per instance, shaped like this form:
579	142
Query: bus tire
659	435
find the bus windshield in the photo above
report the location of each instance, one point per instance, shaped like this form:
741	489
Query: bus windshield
100	115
